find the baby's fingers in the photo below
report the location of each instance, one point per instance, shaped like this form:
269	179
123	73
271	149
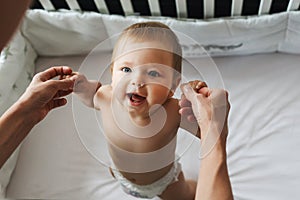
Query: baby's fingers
197	85
74	76
204	91
200	84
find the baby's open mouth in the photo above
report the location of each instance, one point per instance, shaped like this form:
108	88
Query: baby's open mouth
136	99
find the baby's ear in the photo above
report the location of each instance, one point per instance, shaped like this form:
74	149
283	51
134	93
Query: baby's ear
175	84
171	93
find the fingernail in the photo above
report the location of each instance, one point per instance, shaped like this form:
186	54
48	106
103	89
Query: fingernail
66	68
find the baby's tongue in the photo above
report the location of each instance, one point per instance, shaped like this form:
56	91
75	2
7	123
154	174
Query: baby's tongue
136	97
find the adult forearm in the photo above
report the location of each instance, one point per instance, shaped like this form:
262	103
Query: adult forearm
214	183
15	124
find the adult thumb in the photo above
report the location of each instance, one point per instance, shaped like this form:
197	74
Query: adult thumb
188	92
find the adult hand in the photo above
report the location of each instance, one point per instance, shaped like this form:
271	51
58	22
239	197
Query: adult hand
45	93
42	95
210	108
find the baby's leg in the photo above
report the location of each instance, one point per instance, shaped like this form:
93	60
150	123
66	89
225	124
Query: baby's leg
180	190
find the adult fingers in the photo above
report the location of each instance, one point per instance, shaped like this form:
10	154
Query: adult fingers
188	92
183	102
219	97
186	111
58	103
53	72
60	85
62	93
191	118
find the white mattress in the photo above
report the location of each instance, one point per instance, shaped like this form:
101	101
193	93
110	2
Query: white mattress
263	142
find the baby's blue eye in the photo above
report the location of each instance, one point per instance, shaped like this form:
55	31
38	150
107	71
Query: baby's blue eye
153	74
126	69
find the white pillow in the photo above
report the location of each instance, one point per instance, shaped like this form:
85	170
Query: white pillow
219	37
73	33
63	33
291	42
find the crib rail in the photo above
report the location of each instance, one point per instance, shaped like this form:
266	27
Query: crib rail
197	9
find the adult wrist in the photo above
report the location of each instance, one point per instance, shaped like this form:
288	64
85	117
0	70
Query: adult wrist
213	142
29	115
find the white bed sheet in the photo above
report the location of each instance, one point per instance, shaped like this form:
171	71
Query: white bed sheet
263	142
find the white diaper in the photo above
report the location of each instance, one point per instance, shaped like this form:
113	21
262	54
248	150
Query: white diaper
154	189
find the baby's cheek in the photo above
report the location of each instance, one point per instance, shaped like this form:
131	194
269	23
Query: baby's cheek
162	94
114	83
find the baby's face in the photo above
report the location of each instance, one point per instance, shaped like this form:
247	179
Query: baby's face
143	77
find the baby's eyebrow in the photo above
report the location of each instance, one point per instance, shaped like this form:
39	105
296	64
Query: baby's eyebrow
127	63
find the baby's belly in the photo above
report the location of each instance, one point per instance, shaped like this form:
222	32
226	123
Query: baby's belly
129	143
143	168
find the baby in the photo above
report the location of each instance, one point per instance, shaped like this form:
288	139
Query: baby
139	114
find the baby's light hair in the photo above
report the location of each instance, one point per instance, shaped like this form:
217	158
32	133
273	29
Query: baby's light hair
151	31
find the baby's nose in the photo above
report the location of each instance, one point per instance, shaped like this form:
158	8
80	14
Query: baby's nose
138	80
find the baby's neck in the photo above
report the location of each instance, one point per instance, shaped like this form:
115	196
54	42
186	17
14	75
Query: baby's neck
140	120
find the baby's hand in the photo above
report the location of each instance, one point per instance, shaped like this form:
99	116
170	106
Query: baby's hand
84	88
80	82
199	87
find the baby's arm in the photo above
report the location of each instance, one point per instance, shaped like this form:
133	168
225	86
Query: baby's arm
189	123
85	89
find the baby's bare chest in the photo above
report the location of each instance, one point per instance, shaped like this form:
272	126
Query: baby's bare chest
124	133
